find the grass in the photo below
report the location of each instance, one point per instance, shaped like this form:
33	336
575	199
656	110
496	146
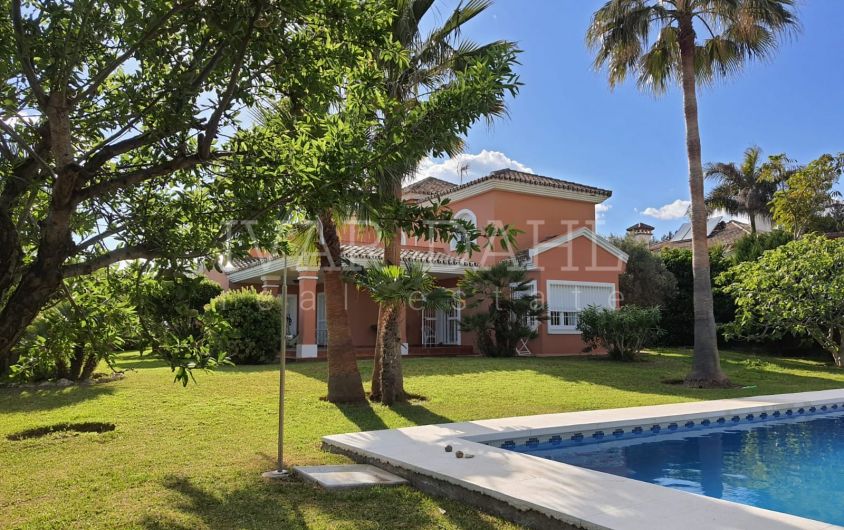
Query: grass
192	457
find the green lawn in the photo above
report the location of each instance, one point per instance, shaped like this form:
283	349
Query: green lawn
191	457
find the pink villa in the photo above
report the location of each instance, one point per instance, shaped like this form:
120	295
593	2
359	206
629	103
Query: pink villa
569	265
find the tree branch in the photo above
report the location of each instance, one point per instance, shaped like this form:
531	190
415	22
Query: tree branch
25	57
213	125
100	78
133	178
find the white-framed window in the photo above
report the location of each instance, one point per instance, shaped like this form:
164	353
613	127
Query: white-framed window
531	322
466	215
567	299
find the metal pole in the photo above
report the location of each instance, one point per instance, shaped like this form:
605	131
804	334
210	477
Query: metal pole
279	471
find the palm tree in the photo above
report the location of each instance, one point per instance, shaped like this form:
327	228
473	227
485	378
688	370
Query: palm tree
317	243
657	40
747	189
434	57
393	287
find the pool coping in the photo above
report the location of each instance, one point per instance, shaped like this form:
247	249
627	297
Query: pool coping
576	497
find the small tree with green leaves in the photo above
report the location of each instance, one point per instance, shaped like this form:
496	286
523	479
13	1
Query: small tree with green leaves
646	282
502	309
808	194
86	324
796	288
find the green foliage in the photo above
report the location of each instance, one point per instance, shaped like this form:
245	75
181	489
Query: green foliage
646	281
678	312
252	326
747	188
170	307
400	286
623	333
808	194
85	325
752	246
796	288
642	38
501	308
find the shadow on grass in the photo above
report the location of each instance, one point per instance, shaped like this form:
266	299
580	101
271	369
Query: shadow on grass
293	504
39	399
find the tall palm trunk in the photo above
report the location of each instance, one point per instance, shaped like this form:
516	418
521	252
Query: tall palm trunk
392	336
344	381
388	343
706	363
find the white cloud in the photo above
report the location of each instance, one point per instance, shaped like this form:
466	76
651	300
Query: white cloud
674	210
600	213
472	166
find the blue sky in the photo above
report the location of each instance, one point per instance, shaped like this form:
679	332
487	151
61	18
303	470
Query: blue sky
567	123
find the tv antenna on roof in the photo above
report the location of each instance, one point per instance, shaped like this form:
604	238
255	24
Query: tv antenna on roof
462	170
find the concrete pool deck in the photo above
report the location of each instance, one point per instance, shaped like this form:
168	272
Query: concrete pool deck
547	494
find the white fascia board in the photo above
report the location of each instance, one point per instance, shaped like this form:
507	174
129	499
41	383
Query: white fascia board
571	236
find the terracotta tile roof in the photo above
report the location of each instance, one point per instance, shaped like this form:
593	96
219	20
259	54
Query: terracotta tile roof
428	186
362	252
725	234
435	186
641	226
423	256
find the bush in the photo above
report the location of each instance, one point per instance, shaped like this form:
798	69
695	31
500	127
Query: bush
646	282
251	334
623	332
170	307
678	319
752	246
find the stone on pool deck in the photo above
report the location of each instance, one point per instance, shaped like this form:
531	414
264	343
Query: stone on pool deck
348	476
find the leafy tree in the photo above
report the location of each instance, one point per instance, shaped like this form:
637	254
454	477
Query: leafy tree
86	324
646	282
658	41
748	188
796	288
678	313
752	246
623	332
808	194
393	288
110	127
371	139
436	58
511	313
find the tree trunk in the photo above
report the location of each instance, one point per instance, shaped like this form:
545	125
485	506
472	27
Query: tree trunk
389	343
77	362
392	256
375	390
706	364
344	381
752	223
88	368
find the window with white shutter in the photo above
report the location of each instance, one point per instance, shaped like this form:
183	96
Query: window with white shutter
567	299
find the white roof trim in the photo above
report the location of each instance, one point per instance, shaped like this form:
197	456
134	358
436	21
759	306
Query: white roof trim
580	232
521	187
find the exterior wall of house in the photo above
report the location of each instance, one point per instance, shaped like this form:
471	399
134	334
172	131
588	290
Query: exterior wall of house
541	218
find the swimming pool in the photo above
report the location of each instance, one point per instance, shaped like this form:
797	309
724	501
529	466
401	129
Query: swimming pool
503	467
791	463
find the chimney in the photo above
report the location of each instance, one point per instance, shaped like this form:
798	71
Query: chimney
641	232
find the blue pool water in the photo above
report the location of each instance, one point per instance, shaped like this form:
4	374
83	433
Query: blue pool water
794	465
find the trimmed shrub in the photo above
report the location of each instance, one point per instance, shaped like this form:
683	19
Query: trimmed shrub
623	332
253	326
